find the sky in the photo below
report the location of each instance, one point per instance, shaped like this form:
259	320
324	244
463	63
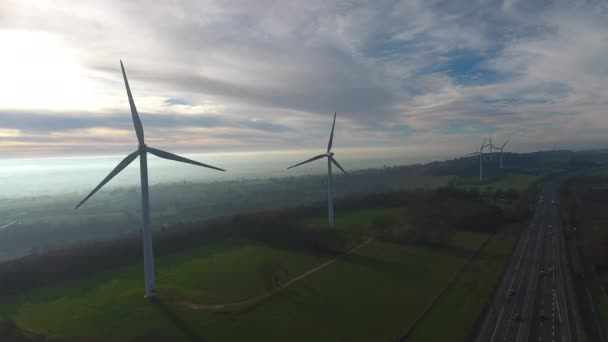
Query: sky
419	76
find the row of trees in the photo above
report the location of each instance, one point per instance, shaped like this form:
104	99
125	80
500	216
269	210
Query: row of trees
428	217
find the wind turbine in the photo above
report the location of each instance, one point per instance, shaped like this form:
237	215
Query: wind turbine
501	148
491	147
480	154
141	152
330	159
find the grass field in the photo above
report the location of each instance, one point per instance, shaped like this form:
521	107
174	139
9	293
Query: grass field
455	314
346	219
372	294
516	181
600	173
424	182
216	273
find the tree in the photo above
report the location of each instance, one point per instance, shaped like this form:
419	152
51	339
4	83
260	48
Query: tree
274	272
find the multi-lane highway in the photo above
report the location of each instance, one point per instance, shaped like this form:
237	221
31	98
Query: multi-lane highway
530	304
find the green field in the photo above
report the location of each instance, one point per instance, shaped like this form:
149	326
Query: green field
372	294
457	310
213	274
345	220
508	181
425	182
599	173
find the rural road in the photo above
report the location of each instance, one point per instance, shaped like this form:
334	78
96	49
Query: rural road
530	303
252	300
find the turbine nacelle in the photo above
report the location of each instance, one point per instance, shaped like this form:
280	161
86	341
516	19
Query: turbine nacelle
329	154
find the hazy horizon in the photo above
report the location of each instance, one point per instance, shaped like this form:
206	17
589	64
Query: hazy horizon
60	175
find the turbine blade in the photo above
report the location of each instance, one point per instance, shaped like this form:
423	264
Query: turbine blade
139	130
483	144
124	163
472	154
338	165
505	144
331	136
309	160
171	156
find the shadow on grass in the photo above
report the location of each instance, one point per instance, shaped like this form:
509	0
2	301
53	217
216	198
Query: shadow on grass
178	322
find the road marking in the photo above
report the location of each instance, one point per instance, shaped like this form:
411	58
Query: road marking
8	225
532	284
499	317
561	278
523	251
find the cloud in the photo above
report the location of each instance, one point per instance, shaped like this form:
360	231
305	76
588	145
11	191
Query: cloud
269	74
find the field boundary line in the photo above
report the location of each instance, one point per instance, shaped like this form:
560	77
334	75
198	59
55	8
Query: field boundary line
408	331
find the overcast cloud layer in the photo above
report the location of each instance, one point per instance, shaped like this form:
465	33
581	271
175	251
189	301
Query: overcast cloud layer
431	76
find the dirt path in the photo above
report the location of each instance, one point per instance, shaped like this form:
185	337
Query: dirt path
249	301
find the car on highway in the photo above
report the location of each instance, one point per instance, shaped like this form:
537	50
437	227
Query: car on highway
511	293
542	315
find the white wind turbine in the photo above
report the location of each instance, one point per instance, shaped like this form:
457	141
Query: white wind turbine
480	153
330	159
141	152
501	148
491	147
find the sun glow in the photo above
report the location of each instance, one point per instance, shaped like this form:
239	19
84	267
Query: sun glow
39	72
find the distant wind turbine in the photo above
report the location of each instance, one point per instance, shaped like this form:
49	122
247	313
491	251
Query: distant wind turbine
491	147
141	152
501	148
480	154
330	159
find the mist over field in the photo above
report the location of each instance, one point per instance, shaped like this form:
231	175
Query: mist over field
53	176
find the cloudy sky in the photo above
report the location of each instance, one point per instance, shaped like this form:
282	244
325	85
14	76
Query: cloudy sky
428	77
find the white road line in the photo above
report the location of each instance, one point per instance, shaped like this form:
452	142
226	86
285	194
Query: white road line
561	278
523	252
496	327
8	225
532	282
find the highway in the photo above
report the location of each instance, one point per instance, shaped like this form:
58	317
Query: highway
530	303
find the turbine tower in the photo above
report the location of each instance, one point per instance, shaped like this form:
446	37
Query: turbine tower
480	154
330	159
501	148
141	152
